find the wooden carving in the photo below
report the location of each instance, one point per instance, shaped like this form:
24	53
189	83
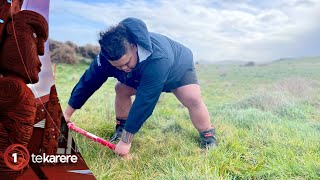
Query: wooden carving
24	37
52	126
7	8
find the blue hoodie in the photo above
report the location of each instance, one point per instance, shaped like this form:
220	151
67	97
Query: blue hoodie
160	72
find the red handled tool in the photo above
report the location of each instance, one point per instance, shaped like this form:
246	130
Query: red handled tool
91	136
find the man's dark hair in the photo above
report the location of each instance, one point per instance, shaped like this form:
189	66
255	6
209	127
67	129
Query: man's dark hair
114	42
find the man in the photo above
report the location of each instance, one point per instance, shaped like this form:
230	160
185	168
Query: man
145	65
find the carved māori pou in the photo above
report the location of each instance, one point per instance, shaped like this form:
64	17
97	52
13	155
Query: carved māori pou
23	41
53	122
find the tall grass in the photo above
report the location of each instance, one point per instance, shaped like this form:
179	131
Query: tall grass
267	120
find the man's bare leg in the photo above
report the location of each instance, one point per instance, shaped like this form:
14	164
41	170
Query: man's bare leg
123	103
190	97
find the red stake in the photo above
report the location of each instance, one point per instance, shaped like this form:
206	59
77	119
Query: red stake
91	136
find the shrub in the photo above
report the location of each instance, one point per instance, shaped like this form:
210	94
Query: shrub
250	63
54	45
64	54
89	51
67	52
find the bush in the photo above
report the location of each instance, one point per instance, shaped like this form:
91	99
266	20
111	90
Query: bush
64	54
89	51
250	63
67	52
73	46
54	45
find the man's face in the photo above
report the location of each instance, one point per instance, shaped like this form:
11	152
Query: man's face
128	61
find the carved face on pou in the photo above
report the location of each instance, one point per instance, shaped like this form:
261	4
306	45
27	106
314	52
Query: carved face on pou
31	31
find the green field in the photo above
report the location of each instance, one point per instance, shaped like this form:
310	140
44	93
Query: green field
267	119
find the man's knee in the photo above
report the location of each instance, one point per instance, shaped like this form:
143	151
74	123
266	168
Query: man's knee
124	90
192	102
120	88
189	95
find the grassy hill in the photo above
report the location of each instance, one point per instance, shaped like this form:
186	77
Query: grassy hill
267	119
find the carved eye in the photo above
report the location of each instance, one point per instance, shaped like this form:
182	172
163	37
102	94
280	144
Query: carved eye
34	35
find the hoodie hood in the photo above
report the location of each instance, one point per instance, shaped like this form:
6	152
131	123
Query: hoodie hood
139	32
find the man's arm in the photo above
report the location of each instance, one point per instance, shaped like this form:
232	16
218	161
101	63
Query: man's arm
153	78
98	72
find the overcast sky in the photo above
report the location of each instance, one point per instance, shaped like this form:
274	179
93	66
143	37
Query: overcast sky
255	30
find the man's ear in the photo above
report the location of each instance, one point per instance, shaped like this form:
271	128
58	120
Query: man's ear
9	28
134	47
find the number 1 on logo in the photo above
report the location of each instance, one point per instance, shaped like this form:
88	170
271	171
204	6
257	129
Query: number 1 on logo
15	157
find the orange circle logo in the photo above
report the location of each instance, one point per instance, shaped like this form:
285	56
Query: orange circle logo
16	157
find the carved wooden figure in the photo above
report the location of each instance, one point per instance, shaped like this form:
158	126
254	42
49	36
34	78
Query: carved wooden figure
23	41
52	126
7	8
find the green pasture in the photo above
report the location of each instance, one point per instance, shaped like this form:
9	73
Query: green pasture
267	119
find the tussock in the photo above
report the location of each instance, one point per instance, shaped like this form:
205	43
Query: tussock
297	87
284	93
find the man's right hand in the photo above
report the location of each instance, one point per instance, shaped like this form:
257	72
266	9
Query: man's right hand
68	113
122	149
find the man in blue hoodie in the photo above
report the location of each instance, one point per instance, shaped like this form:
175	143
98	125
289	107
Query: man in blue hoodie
145	64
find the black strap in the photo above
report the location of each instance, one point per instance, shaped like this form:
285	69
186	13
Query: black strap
121	122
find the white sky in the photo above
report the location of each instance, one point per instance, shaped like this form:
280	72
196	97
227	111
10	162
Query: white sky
250	30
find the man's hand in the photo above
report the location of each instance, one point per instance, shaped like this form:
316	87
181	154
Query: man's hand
124	145
68	113
122	149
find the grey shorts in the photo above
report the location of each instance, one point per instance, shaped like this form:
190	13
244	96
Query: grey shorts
190	77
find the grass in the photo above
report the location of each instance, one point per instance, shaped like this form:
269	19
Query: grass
267	119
